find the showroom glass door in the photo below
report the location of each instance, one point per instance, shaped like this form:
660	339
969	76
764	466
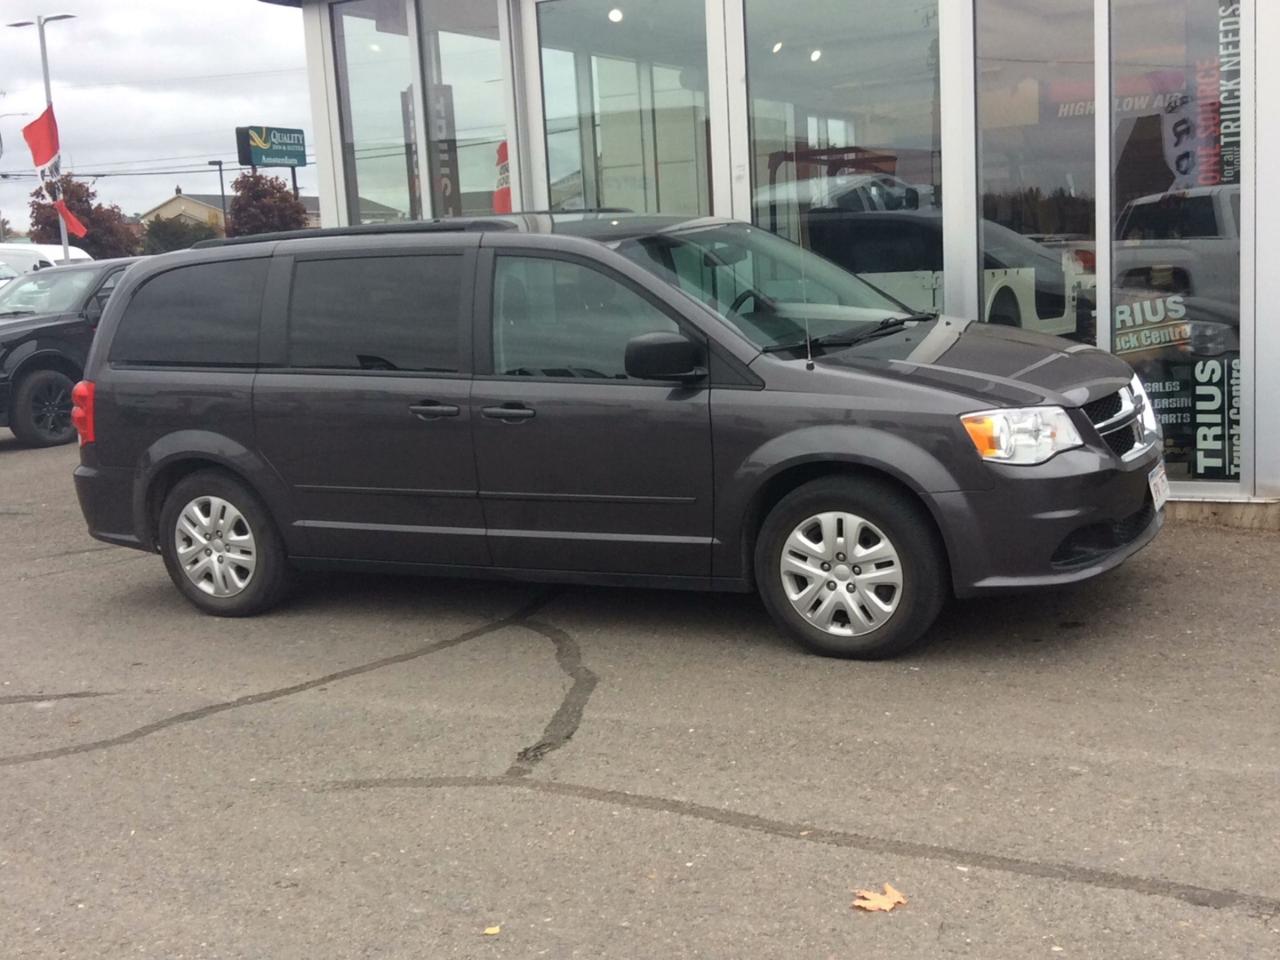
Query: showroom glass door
624	104
1180	169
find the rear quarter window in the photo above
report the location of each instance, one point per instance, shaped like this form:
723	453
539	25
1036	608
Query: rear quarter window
202	315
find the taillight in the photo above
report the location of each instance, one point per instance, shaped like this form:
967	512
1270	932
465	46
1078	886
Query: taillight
82	410
1087	259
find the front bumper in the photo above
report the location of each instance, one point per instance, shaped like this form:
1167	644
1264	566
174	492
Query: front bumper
1075	517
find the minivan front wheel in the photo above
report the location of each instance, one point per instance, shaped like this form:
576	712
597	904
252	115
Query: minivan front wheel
220	546
851	568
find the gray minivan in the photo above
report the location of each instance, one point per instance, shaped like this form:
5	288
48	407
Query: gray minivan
601	398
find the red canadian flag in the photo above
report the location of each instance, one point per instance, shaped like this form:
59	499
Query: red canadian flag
41	135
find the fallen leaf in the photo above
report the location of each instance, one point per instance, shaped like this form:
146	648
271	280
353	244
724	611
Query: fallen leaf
492	931
871	901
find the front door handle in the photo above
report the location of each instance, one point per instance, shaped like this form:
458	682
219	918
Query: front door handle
508	412
430	410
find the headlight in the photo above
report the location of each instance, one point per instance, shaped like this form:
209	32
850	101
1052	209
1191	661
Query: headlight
1149	422
1026	436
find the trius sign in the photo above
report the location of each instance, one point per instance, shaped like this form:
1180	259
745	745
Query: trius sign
271	147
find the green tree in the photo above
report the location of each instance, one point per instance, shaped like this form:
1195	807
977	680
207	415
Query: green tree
109	236
6	229
263	204
174	234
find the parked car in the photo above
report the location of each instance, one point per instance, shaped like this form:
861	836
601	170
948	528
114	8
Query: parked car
54	252
24	257
601	399
1025	284
47	321
1182	242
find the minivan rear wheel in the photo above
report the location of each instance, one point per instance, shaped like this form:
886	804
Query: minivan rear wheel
851	568
220	546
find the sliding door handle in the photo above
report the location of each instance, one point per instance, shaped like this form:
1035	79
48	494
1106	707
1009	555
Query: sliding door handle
430	410
508	412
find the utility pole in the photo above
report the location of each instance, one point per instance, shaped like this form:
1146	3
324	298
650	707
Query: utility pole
222	190
40	21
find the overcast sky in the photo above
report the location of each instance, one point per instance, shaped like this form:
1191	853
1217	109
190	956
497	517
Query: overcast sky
150	85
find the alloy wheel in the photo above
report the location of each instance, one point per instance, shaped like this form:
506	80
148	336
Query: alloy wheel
51	408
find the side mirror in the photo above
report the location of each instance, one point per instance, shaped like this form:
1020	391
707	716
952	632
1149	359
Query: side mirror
665	356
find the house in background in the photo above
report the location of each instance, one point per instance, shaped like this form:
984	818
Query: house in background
206	208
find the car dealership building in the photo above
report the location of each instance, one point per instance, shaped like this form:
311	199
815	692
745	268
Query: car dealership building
953	152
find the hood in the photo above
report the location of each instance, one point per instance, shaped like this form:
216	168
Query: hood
1003	366
13	327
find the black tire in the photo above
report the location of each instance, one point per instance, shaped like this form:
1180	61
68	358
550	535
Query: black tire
905	524
41	414
1004	309
268	581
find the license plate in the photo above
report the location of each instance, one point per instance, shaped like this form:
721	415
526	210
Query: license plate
1159	482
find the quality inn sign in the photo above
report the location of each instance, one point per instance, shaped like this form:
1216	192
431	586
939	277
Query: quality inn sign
271	147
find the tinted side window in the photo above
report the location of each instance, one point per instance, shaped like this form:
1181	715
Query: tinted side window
376	313
552	318
204	315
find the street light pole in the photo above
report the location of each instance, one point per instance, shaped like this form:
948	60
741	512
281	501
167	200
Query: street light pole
222	190
40	21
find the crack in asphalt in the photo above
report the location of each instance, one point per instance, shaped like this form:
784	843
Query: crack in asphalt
190	716
565	721
43	697
1217	899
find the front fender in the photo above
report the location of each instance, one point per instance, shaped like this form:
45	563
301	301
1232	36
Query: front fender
204	445
928	463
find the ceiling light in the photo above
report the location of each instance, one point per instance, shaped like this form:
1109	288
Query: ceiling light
615	15
777	46
815	56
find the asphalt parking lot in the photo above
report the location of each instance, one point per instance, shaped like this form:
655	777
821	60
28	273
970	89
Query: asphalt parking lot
389	767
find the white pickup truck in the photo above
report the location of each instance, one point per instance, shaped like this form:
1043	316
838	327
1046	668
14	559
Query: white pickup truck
1182	242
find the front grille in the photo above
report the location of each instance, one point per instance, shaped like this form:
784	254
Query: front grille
1092	543
1104	409
1123	440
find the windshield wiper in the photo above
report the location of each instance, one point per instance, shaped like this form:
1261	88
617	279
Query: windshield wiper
16	313
887	325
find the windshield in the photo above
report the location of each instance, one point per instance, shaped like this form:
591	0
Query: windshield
50	291
770	289
1172	217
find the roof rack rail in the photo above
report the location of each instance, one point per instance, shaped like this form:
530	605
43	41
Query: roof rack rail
497	221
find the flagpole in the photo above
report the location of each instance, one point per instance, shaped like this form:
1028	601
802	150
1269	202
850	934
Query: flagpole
48	99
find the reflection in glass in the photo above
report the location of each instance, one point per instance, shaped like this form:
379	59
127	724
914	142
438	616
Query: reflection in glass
845	137
375	69
625	101
466	114
1036	164
1176	250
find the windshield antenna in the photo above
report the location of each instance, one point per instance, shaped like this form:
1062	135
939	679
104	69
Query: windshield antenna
808	346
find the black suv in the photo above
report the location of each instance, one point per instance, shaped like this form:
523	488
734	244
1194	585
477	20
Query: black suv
47	320
602	399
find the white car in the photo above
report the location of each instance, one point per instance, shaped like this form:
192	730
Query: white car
1025	284
54	252
25	257
7	273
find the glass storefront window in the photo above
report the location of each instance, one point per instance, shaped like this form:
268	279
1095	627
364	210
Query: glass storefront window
1176	248
845	136
625	102
1036	164
375	66
465	107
